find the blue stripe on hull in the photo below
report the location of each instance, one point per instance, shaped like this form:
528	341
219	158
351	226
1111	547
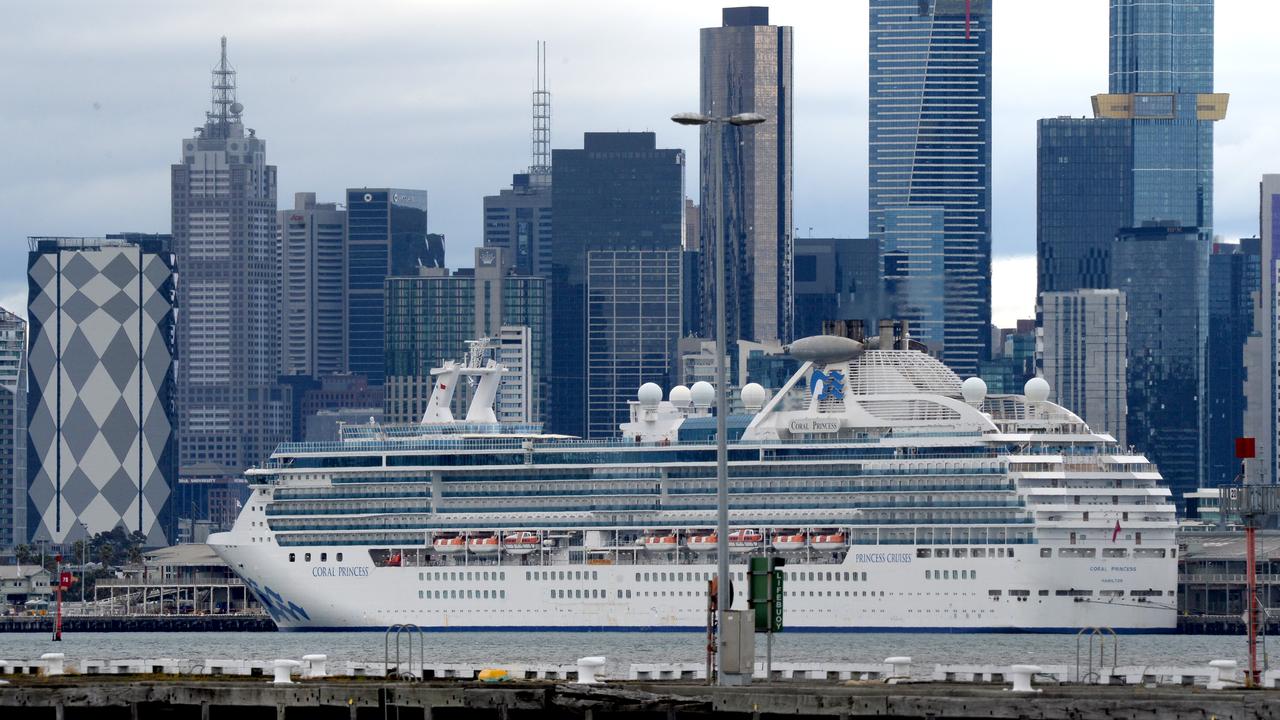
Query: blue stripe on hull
703	629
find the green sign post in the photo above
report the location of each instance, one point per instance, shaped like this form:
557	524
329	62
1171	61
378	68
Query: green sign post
765	594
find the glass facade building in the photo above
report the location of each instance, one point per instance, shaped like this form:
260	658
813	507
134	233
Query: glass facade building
1085	349
746	67
386	237
1084	175
312	303
1166	336
1235	278
619	192
518	219
930	151
836	279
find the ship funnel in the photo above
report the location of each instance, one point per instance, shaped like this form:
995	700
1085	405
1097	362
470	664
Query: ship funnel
481	408
444	381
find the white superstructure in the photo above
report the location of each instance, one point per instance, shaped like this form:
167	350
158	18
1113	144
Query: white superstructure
901	500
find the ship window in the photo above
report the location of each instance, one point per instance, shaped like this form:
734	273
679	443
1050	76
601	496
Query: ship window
324	557
973	574
339	557
420	594
1044	593
419	577
1114	552
486	576
470	595
628	594
928	574
486	594
637	577
864	577
964	574
943	552
1010	552
502	575
307	557
646	577
923	553
502	594
595	575
1000	552
553	594
527	575
291	557
979	552
1046	552
961	552
994	593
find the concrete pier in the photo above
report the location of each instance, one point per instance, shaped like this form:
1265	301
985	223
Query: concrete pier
68	697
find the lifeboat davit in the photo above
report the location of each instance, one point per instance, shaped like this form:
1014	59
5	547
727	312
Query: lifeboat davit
701	543
832	541
452	544
522	542
486	545
744	540
787	542
660	543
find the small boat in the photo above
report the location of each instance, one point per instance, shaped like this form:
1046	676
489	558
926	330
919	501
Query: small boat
452	544
745	539
485	545
394	560
661	543
701	543
788	541
832	541
521	542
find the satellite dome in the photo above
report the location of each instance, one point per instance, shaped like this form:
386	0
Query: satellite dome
1036	389
680	396
703	393
649	395
974	390
753	396
236	108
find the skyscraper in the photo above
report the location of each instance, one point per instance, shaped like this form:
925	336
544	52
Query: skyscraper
836	279
386	237
1235	278
746	67
620	192
312	272
13	429
1166	335
100	407
1260	420
930	169
224	238
431	317
1085	351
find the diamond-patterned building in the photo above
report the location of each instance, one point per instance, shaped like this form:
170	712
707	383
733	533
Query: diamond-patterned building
100	430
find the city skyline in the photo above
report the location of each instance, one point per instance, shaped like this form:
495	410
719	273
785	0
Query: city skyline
438	133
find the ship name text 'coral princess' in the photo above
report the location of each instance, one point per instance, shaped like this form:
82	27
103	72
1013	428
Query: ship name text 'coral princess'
901	498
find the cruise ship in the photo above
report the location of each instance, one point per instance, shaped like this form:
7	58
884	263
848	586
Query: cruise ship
901	498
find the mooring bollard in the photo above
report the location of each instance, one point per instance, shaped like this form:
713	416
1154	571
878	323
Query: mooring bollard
1222	675
54	663
315	666
900	669
282	670
587	668
1022	676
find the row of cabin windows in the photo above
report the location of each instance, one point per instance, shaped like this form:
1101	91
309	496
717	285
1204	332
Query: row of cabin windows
787	575
950	574
963	552
1078	552
462	594
562	575
1022	594
306	557
437	576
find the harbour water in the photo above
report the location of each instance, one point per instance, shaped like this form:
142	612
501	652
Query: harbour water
625	648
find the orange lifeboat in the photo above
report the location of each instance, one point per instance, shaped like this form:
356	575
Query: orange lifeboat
832	541
788	541
522	542
452	544
744	540
701	543
661	543
485	545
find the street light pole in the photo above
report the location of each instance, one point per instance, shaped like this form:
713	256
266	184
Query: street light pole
723	598
84	545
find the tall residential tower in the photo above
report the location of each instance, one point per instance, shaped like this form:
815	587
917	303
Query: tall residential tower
930	170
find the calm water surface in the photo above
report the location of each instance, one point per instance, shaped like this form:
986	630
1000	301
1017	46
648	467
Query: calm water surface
622	649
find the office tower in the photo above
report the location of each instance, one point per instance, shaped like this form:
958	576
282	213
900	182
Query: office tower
1260	420
386	237
518	219
620	192
224	238
930	170
1084	194
518	393
691	267
633	326
836	279
100	376
1166	335
312	272
1085	348
1235	277
13	429
328	393
746	67
432	317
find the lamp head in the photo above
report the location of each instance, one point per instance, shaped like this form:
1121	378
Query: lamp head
746	119
690	118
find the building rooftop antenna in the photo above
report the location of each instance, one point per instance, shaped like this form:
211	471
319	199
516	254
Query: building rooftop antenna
540	170
224	109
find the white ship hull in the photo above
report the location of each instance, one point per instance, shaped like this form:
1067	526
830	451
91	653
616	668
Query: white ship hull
894	597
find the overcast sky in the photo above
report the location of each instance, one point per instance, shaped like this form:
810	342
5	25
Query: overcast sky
433	94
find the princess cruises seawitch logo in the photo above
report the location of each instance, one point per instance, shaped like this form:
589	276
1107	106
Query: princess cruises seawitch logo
276	605
831	387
